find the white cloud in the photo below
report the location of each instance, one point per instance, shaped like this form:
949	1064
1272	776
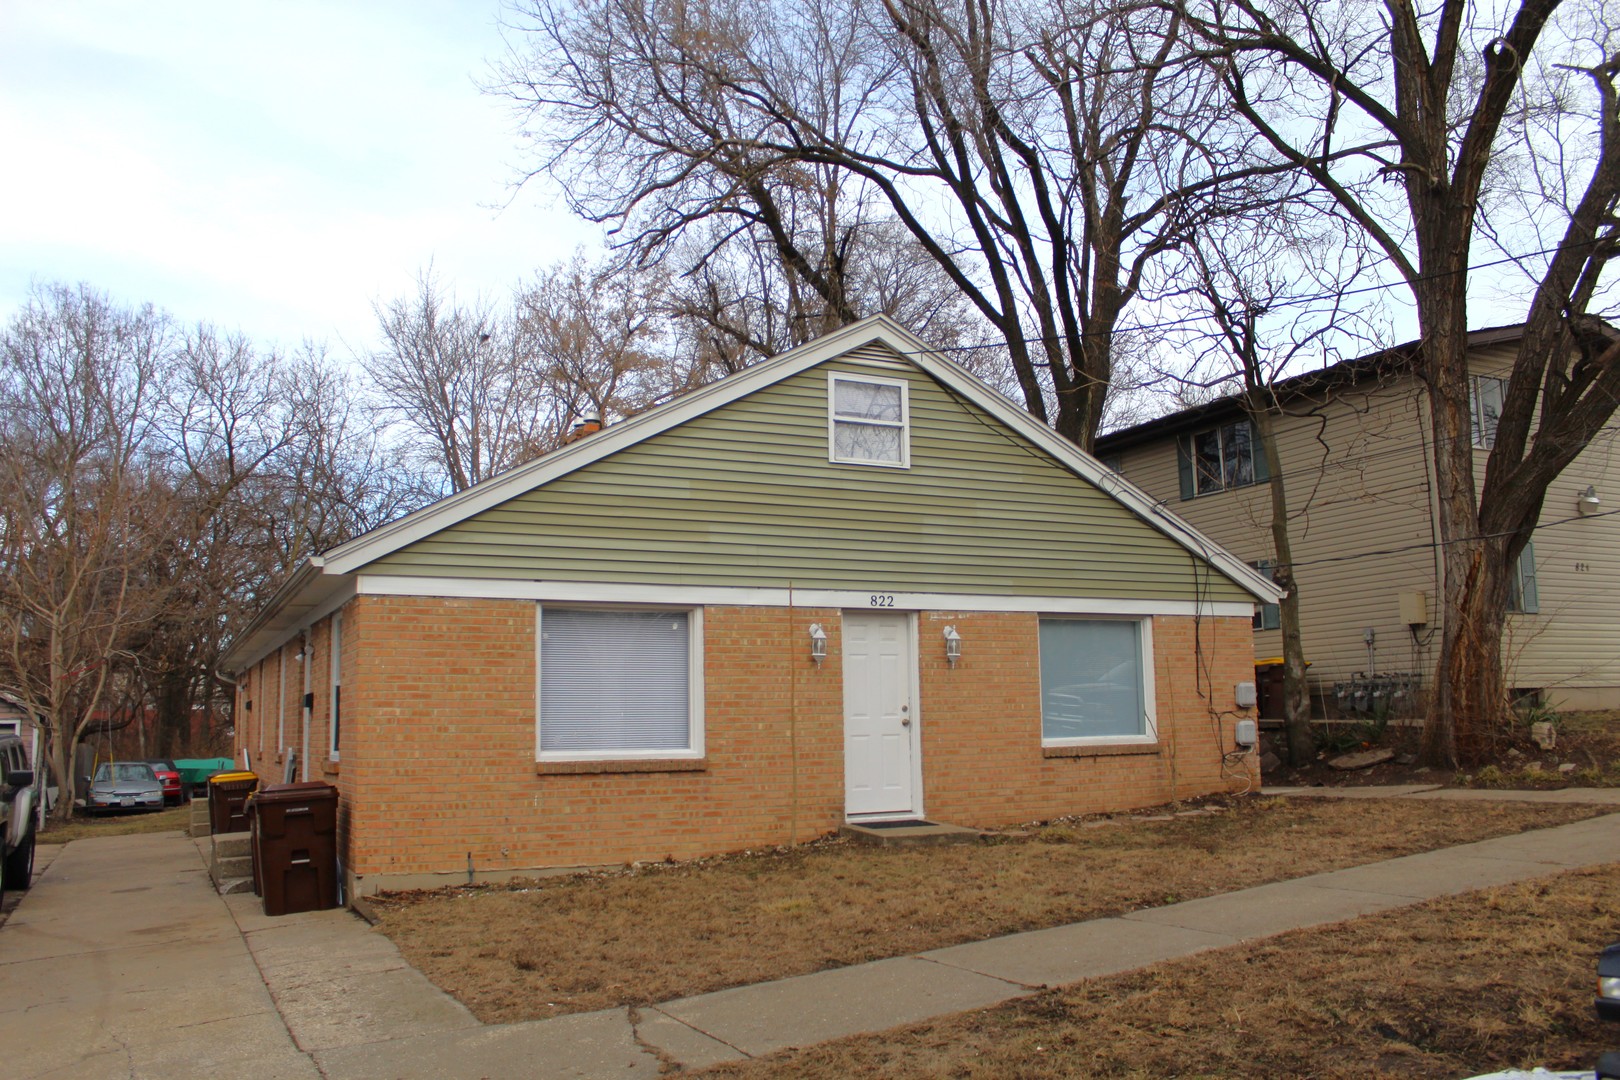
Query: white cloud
268	167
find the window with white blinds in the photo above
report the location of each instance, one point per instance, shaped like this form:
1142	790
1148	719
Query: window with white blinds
616	683
867	420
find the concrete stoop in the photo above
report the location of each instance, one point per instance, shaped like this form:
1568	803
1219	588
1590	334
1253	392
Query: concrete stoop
200	823
909	833
230	862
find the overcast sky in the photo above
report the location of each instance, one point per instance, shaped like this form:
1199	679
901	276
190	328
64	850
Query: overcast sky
272	168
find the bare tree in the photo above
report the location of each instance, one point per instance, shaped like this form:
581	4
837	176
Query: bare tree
83	505
1406	116
450	377
593	342
1041	154
1247	281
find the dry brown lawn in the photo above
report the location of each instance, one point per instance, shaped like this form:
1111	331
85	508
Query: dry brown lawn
85	825
1470	984
651	933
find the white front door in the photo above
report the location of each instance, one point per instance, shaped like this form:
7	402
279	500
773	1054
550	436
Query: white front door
880	743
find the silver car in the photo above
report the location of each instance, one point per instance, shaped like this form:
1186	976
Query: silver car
124	785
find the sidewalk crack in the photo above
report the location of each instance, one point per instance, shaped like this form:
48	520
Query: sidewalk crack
1031	987
662	1055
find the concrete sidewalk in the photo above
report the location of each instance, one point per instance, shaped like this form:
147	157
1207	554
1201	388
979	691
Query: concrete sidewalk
121	961
1592	796
173	980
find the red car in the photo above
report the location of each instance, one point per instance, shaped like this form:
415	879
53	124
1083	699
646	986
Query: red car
169	776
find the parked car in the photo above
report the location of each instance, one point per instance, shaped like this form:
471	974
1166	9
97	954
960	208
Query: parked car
124	785
17	805
168	775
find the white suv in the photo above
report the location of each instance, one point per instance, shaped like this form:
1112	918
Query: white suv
18	793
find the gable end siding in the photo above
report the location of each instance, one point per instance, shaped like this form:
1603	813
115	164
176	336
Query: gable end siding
745	496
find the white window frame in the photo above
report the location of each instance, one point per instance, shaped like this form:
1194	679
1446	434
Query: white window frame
833	419
1150	719
1266	616
334	670
694	688
1481	433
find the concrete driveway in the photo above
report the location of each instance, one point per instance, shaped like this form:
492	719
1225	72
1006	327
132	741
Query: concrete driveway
122	961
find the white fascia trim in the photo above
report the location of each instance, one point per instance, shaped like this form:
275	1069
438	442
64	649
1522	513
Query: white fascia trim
346	558
696	596
345	589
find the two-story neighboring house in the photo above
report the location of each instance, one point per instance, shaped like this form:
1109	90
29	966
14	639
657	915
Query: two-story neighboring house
1357	455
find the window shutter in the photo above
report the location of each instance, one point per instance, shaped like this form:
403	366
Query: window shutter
1184	467
1529	602
614	681
1261	473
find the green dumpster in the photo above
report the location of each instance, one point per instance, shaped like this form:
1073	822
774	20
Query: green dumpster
194	772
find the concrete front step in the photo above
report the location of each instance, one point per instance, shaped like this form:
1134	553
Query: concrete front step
230	861
200	823
232	867
909	833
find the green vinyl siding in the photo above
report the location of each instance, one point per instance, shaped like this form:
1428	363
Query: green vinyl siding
745	496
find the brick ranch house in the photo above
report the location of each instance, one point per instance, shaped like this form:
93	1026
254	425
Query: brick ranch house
850	583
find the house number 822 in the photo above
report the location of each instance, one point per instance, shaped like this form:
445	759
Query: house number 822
882	600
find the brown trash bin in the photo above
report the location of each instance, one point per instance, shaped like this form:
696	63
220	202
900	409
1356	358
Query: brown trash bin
295	847
227	798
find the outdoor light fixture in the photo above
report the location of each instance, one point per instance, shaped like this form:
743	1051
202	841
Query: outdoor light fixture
818	643
953	646
1588	501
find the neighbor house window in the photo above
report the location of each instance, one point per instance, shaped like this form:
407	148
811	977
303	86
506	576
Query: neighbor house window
1094	683
336	731
1485	395
1267	616
616	683
867	421
1522	596
1219	459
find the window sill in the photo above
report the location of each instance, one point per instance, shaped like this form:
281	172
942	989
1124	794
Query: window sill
1118	750
330	768
621	765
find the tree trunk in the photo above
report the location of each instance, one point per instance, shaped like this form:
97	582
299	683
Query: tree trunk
1296	692
1467	704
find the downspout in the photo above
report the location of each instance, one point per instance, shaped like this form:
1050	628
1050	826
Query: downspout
307	701
793	728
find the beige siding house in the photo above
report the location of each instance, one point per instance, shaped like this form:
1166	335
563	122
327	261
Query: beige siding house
851	584
1354	447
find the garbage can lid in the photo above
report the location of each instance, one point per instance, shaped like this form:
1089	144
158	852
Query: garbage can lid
303	792
226	777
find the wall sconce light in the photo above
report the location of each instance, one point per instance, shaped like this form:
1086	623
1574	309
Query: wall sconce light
818	643
1588	502
953	646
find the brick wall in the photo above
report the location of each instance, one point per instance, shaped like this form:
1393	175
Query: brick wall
439	745
438	756
982	759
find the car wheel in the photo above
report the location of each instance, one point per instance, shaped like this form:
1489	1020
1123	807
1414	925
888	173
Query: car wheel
18	871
